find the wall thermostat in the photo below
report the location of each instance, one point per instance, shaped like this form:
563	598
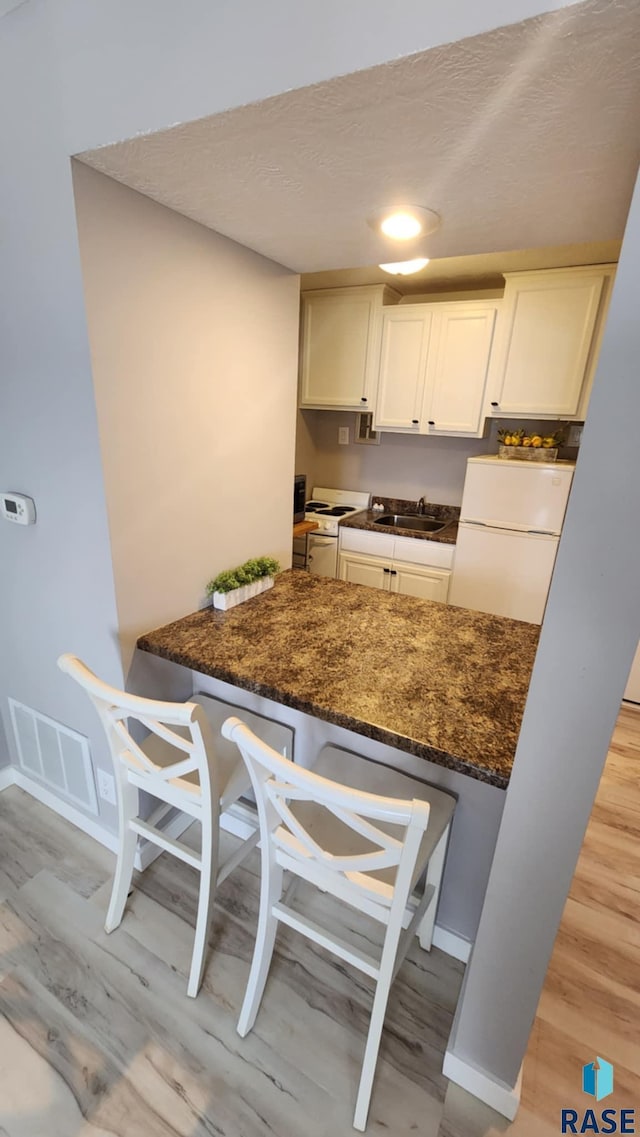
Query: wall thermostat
18	507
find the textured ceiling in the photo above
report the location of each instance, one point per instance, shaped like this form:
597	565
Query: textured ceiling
525	137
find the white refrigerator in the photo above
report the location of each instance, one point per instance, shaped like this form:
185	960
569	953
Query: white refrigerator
510	522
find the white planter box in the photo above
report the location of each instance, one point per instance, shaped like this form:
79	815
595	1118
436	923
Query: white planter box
225	600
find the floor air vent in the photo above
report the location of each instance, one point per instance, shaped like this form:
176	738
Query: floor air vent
55	755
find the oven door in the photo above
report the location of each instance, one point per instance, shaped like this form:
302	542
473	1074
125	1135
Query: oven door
323	555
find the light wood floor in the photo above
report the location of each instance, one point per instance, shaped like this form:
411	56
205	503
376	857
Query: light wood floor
590	1003
98	1038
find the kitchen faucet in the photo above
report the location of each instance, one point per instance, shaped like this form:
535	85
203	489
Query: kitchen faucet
420	506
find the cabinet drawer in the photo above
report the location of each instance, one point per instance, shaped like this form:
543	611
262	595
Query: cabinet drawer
411	550
364	541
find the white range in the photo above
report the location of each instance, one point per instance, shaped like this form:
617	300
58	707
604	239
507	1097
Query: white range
327	507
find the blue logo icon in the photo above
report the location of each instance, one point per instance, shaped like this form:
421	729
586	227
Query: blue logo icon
597	1079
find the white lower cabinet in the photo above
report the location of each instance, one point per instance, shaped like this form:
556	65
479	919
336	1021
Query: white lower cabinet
393	576
404	565
357	569
425	583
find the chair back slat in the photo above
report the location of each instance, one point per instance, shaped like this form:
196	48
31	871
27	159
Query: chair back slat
133	756
366	829
117	709
171	736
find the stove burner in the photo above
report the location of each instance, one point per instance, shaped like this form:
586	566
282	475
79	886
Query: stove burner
316	505
340	510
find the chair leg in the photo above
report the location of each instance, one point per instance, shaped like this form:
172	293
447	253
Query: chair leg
270	894
371	1053
208	879
127	845
435	871
122	878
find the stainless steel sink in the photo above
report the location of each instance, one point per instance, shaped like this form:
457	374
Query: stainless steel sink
411	521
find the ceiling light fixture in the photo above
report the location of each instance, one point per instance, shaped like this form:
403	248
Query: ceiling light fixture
405	268
401	226
404	223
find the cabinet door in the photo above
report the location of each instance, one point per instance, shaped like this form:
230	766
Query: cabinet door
364	570
426	584
403	363
457	368
547	328
340	343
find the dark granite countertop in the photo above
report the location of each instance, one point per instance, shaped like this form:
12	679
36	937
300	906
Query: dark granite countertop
367	519
436	681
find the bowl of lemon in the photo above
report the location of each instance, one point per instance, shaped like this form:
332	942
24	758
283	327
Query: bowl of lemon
529	447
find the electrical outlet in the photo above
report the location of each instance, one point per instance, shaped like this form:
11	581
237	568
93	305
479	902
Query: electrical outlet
343	436
107	787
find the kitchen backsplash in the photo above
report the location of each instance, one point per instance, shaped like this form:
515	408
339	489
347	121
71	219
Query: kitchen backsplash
409	506
402	466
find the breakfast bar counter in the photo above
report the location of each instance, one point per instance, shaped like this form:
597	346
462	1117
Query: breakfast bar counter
435	681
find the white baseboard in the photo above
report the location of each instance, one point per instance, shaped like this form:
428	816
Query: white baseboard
452	944
504	1099
7	777
64	809
86	824
240	820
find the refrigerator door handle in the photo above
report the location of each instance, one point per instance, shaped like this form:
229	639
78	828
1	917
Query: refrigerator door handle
464	523
511	527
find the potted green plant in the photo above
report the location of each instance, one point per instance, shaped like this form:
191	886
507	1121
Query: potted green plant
233	586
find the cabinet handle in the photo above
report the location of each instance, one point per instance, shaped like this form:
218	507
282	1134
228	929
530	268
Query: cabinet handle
363	399
431	422
415	421
393	572
386	570
495	404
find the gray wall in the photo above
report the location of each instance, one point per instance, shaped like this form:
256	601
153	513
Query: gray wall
588	639
401	466
5	757
56	585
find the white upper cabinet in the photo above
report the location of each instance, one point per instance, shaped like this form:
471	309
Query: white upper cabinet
457	368
548	340
434	363
406	332
341	347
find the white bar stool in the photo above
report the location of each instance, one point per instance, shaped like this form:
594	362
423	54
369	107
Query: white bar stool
190	767
364	845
